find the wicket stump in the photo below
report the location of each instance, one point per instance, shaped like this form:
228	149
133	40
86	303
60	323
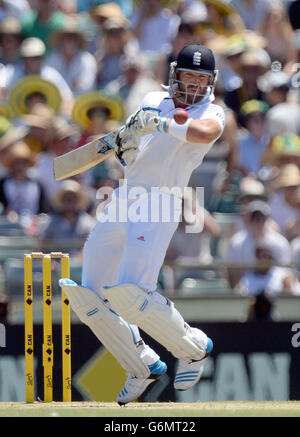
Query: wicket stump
48	350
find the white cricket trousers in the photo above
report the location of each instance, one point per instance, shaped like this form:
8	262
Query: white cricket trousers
127	252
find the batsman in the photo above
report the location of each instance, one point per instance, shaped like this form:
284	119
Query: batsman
122	259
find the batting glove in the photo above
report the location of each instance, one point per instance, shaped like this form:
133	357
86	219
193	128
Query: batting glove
126	146
146	121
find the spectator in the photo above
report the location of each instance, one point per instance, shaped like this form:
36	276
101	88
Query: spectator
283	117
292	227
190	248
67	7
223	18
283	203
10	40
107	11
185	35
252	12
295	248
54	137
97	113
251	189
75	64
13	8
218	167
32	63
242	244
18	191
69	219
241	59
266	276
31	91
134	83
117	43
283	150
124	5
9	134
151	18
42	21
252	146
277	31
254	63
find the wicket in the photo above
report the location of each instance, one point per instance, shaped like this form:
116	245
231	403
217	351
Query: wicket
48	359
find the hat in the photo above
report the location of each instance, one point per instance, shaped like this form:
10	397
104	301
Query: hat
251	187
32	47
70	26
30	85
12	135
6	110
237	43
41	116
267	244
165	3
19	150
252	106
258	206
289	176
70	186
273	79
85	102
10	25
133	61
287	144
108	11
257	58
62	129
115	24
224	6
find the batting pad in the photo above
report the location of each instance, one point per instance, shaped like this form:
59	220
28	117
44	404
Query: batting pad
161	321
113	332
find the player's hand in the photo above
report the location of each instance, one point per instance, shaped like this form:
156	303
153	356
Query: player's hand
126	146
145	121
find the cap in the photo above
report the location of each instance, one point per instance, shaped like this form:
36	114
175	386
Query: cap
32	47
252	106
258	206
197	58
273	79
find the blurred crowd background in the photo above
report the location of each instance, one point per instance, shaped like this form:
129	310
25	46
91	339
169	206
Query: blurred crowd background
72	70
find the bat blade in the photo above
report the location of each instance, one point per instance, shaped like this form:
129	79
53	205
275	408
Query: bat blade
85	157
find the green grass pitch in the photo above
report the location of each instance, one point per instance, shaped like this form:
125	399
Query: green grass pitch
196	409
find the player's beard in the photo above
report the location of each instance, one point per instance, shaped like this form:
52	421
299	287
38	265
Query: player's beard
189	94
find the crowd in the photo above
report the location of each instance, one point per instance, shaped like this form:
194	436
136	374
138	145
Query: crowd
71	70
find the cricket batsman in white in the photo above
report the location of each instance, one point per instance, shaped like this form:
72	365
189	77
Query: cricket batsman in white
122	259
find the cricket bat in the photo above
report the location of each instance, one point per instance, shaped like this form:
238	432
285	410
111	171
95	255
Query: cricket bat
85	157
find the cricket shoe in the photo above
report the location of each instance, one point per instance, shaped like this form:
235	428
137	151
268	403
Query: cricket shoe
135	387
190	371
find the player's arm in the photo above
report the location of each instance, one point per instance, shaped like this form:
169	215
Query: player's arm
204	130
198	131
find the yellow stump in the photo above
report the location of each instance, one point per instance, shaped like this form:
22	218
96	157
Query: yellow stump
48	339
66	334
29	350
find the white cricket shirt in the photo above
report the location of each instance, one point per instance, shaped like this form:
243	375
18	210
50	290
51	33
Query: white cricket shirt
163	160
